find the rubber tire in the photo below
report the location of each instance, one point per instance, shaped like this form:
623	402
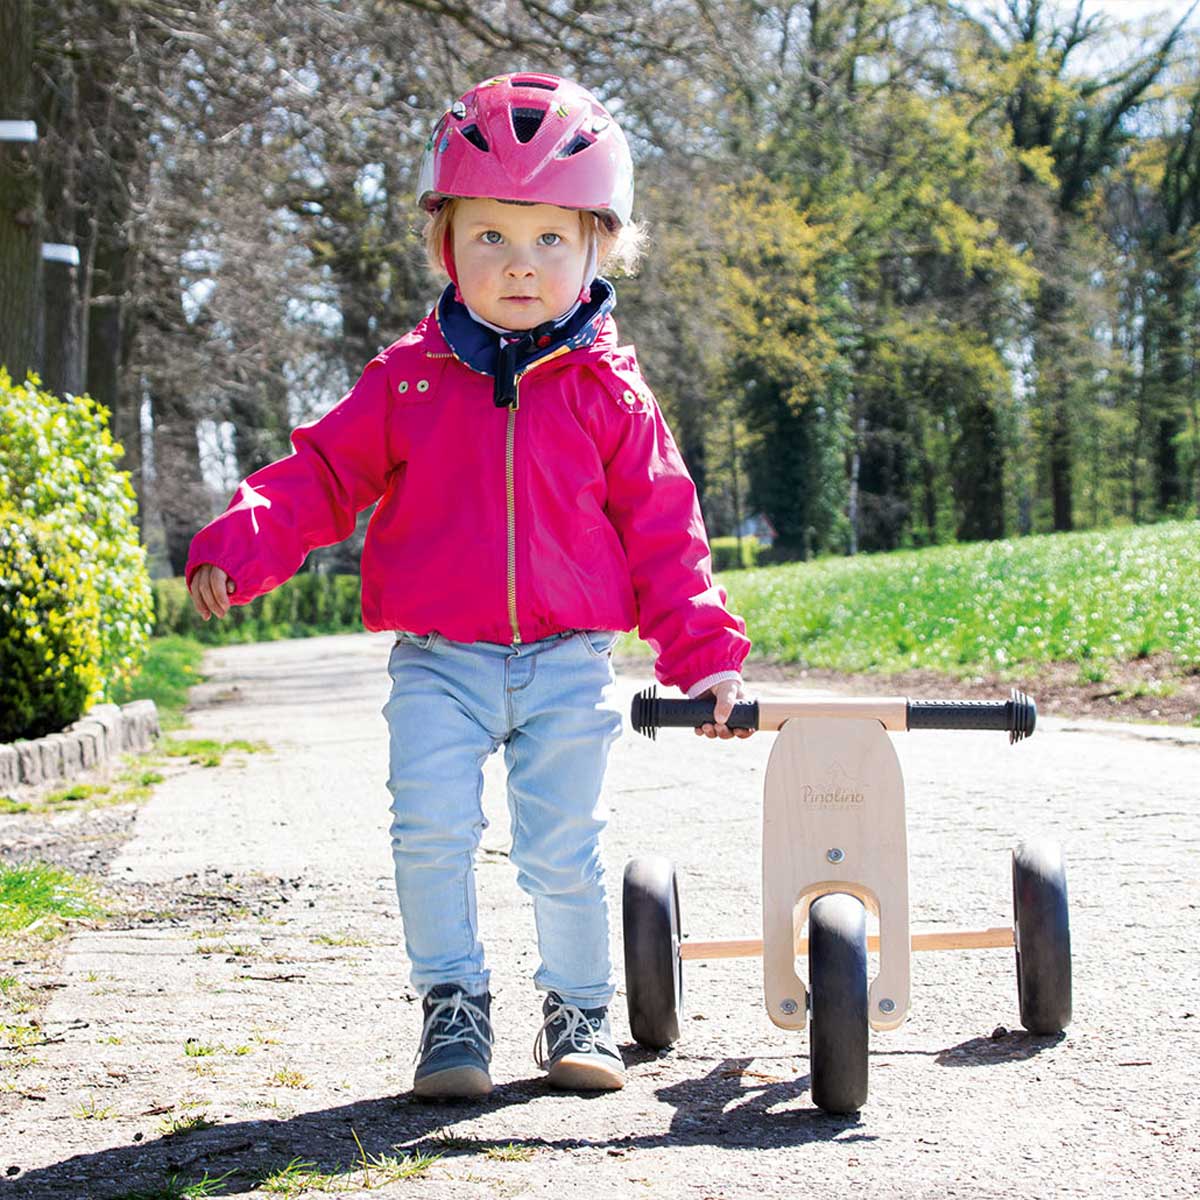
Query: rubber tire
653	968
1042	935
837	983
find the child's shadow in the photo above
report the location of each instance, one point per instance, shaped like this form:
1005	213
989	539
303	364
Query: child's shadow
732	1106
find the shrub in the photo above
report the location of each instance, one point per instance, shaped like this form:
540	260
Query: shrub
725	553
50	640
306	604
71	534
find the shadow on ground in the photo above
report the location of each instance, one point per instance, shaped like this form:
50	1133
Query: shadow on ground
733	1107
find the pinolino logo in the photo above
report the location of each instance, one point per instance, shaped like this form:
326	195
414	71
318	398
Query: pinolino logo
842	790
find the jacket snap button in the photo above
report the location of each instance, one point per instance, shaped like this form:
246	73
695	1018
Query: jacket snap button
422	385
629	397
403	386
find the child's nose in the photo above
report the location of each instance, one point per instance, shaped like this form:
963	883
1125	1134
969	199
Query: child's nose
519	264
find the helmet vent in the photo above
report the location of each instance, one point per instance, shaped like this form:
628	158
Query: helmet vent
579	143
472	134
526	122
539	83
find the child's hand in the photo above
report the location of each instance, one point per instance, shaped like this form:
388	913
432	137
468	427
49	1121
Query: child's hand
210	588
725	694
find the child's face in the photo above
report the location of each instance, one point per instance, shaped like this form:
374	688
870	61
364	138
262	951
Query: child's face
518	265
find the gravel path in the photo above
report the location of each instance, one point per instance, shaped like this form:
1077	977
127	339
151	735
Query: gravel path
282	960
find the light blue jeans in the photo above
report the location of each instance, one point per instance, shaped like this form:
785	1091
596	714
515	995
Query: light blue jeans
550	705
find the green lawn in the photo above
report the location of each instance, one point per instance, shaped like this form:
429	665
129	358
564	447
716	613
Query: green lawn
170	668
1084	598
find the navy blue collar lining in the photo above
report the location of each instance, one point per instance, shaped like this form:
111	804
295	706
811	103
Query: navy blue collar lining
478	347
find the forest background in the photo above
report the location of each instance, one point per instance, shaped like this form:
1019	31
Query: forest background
920	271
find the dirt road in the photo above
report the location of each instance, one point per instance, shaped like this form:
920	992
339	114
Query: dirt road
269	1000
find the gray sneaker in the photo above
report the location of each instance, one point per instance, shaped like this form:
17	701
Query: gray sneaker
456	1045
577	1049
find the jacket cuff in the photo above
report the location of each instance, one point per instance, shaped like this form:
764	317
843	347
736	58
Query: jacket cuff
702	686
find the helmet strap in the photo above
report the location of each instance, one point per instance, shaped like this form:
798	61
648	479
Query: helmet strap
589	270
448	261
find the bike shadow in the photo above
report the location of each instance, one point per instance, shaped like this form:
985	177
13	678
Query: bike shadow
1003	1046
735	1104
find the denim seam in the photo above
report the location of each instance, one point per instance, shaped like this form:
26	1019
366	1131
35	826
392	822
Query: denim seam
597	654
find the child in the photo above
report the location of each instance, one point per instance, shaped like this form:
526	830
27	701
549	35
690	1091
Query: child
532	504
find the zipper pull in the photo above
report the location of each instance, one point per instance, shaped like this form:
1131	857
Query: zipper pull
504	391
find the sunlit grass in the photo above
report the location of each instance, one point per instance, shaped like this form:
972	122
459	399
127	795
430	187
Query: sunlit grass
34	893
170	668
1086	598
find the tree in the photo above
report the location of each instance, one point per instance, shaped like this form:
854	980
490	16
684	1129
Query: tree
1083	123
20	196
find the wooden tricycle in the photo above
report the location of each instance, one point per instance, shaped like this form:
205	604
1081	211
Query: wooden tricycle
834	846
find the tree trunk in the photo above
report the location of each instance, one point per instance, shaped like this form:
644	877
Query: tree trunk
107	349
980	474
1169	477
20	195
60	356
179	489
1053	394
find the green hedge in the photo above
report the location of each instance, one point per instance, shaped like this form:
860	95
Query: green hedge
75	602
725	553
307	604
50	643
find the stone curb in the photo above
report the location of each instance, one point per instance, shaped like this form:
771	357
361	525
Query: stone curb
97	739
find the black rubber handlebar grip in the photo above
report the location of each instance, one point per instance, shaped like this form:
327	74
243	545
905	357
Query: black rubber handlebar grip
650	713
1017	715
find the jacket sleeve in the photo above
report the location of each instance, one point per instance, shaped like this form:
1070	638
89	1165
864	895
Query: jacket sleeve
652	503
338	466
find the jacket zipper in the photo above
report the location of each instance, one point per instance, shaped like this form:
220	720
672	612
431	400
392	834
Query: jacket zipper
510	490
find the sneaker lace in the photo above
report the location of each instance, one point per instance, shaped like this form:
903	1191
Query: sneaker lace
579	1033
454	1018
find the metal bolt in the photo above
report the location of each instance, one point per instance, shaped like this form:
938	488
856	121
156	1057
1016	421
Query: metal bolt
788	1006
887	1006
835	855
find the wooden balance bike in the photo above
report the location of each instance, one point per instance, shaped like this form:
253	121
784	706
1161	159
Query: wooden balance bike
834	846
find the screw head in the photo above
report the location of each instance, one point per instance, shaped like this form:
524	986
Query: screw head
887	1006
788	1006
835	855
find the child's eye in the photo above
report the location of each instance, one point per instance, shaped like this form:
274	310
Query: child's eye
492	237
550	239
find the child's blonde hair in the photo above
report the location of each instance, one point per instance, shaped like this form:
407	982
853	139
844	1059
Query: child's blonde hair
616	253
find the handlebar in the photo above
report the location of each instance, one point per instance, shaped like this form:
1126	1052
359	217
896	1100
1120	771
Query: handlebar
1017	715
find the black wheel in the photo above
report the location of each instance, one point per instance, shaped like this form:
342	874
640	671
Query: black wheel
837	983
653	969
1042	934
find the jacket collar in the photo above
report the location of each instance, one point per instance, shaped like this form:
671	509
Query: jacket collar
478	347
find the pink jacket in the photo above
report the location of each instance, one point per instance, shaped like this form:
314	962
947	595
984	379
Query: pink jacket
572	510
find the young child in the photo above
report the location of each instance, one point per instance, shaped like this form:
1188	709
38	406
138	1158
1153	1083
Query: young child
532	504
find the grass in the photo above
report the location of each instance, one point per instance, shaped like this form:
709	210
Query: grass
175	1126
176	1189
34	894
1086	598
371	1171
169	669
207	752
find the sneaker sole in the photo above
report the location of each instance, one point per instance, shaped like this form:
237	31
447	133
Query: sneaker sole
454	1083
585	1074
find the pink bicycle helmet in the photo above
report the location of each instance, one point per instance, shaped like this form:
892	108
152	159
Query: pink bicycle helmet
530	137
